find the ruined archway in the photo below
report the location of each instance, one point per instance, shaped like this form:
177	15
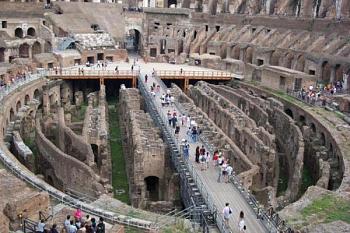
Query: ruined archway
47	47
36	48
36	94
339	72
288	61
12	115
94	148
133	41
152	187
275	57
31	32
235	52
19	33
26	99
326	72
23	50
289	112
300	64
2	54
249	55
18	105
172	3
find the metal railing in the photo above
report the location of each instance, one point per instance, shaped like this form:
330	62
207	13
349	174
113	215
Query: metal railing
90	72
209	74
184	168
269	218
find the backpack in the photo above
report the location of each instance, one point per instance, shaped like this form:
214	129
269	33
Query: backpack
100	228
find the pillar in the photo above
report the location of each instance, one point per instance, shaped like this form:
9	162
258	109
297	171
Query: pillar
331	80
102	82
187	83
134	82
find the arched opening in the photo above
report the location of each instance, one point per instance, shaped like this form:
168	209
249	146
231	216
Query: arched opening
288	61
94	148
133	41
313	127
26	99
152	187
300	65
50	180
275	57
249	55
322	139
36	48
36	94
31	32
19	33
47	47
326	72
172	3
2	54
235	52
194	34
18	105
289	112
339	71
12	115
24	50
302	120
330	151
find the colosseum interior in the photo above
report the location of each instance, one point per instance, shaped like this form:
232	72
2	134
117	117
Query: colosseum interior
86	124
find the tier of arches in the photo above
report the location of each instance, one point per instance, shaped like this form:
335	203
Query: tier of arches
20	33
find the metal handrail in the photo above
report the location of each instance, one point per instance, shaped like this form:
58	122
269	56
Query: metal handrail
163	73
83	72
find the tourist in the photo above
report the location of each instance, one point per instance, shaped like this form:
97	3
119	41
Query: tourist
132	68
67	223
226	212
207	159
183	120
93	224
194	134
86	220
186	149
146	78
53	229
78	214
72	227
215	158
202	161
116	70
169	117
181	70
229	170
78	224
41	226
197	154
177	131
202	150
189	133
188	121
88	229
174	121
224	171
241	224
100	226
172	100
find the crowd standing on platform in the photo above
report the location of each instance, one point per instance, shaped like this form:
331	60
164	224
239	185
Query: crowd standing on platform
75	223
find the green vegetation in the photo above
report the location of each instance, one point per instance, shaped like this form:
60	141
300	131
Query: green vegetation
30	142
282	183
328	209
307	180
179	227
79	115
119	177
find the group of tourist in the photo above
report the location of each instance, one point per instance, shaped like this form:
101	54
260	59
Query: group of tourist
19	77
227	213
72	225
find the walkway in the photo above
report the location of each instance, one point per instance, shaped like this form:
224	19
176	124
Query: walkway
221	192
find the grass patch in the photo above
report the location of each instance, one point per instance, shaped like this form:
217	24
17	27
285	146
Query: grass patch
80	114
119	177
328	209
307	180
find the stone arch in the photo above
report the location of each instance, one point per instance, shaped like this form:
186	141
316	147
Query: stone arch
249	55
134	37
172	3
36	48
94	148
288	61
325	71
31	32
302	120
18	105
47	47
12	115
322	139
339	71
152	187
275	58
26	99
289	112
235	52
36	94
23	50
313	127
2	54
300	63
19	33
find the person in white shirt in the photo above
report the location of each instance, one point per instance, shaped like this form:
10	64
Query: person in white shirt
67	223
241	223
72	228
207	159
41	226
226	212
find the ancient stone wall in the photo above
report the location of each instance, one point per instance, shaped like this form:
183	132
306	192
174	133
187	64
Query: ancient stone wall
65	171
145	153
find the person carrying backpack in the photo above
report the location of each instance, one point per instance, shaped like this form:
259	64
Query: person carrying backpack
100	226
